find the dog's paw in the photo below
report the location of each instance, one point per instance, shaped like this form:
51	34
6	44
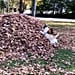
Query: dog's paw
41	32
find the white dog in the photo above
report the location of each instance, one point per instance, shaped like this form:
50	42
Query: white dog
53	39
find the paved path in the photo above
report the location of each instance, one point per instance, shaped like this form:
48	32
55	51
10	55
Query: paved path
53	19
56	19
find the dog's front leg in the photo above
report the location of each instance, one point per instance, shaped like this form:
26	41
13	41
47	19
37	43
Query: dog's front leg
42	32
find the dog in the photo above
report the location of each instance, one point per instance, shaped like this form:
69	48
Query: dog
48	33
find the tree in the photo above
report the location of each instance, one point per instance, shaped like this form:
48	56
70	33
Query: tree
6	2
72	6
68	4
2	5
21	8
61	6
33	7
43	5
56	6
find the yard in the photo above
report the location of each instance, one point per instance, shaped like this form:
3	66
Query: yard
37	57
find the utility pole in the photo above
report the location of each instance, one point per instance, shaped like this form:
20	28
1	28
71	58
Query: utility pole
33	7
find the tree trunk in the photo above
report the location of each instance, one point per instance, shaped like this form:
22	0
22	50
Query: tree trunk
33	7
61	10
54	9
21	9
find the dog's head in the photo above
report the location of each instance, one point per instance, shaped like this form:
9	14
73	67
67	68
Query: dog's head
48	30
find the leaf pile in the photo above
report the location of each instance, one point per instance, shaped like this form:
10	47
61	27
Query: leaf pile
23	48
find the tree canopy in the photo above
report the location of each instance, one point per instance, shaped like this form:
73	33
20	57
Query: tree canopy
58	6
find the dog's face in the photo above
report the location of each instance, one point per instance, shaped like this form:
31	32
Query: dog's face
48	30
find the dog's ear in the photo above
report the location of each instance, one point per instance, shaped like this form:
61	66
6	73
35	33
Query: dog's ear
50	31
44	26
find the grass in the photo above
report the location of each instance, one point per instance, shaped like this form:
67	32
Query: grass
42	62
12	63
60	26
65	59
56	74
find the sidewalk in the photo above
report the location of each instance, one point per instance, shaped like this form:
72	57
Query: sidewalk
56	19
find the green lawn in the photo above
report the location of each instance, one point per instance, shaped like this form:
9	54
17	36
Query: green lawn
63	58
